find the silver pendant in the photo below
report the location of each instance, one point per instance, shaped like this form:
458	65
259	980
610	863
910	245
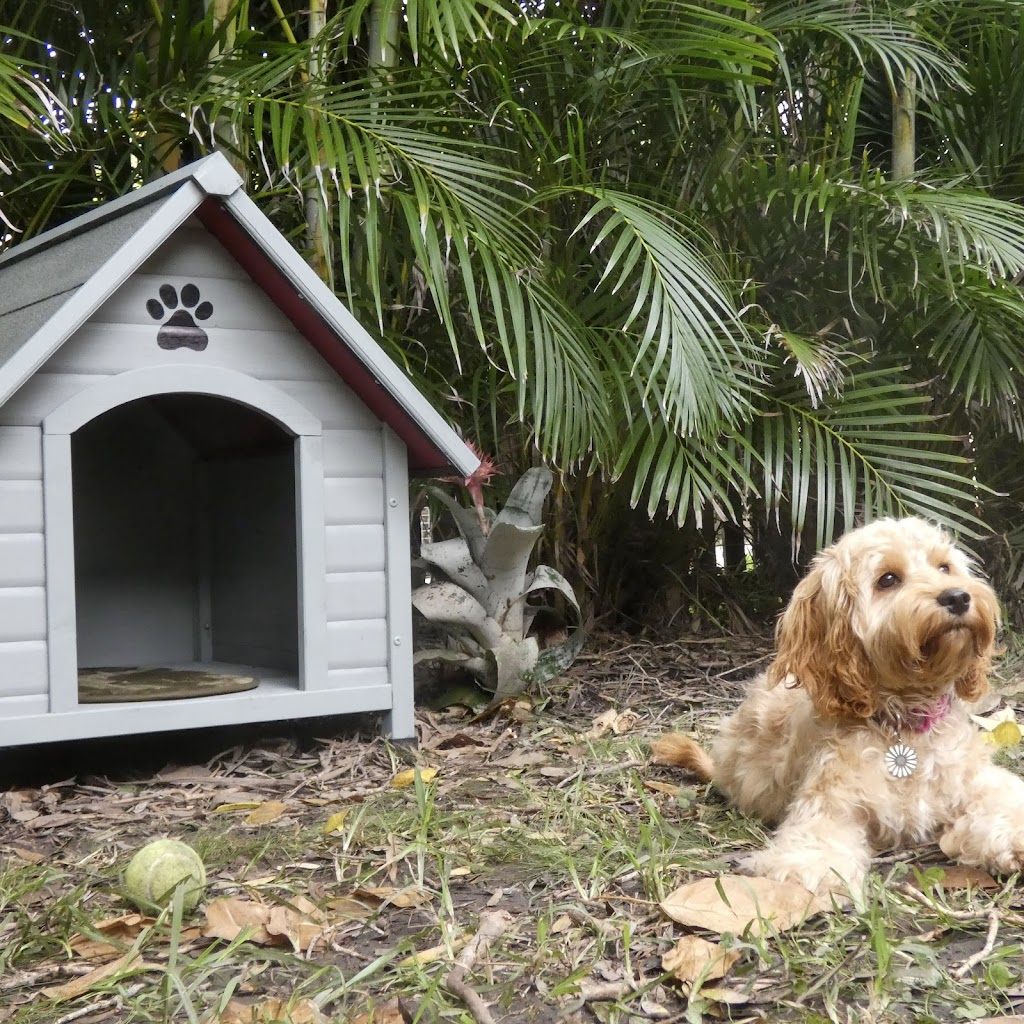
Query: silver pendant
901	760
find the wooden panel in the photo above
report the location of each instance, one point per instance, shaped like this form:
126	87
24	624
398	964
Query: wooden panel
356	595
360	644
350	501
22	668
21	453
236	304
21	506
16	707
265	354
21	560
355	549
349	678
43	393
353	453
330	400
22	614
192	252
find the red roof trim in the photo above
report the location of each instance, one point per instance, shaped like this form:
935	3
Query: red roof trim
424	456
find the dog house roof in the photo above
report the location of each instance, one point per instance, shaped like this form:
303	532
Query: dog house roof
51	284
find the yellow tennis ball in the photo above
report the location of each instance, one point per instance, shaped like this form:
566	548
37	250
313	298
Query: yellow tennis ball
156	871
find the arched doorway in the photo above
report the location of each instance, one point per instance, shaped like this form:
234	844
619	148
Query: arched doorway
185	536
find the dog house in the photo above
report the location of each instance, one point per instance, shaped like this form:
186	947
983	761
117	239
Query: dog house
204	472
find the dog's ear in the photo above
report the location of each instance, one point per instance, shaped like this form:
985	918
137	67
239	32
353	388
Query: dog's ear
974	685
817	649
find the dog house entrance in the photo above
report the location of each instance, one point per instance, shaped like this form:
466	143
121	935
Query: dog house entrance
185	550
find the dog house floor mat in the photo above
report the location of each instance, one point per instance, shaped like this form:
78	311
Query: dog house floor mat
119	685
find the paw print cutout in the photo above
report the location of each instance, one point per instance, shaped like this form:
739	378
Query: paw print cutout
180	330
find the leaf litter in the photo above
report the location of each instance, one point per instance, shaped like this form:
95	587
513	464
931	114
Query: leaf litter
527	866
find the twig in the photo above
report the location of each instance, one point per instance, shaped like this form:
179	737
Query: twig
580	917
990	940
605	769
110	1003
604	991
493	924
34	978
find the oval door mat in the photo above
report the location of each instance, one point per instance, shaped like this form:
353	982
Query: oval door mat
116	685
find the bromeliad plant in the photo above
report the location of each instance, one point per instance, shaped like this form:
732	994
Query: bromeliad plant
485	600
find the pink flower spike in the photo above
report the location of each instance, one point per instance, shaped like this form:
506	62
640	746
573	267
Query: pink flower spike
474	483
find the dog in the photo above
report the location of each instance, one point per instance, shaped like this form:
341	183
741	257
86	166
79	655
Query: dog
858	738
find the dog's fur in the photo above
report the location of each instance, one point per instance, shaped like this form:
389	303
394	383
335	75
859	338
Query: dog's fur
868	641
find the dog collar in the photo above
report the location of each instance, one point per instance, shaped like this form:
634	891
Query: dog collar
916	719
900	758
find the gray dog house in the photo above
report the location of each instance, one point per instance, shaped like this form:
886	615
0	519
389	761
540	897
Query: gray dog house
204	468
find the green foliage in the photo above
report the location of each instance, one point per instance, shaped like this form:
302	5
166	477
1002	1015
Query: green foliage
658	243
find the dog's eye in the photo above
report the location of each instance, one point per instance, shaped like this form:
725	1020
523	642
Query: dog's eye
887	580
944	567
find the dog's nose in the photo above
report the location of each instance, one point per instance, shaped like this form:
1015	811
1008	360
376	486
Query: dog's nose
955	600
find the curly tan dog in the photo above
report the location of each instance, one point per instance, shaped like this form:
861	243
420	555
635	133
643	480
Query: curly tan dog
858	737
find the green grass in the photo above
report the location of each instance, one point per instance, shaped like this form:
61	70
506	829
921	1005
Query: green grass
576	847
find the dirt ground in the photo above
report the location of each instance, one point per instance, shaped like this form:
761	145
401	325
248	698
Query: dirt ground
518	872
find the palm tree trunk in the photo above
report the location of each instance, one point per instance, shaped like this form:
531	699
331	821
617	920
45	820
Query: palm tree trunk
318	210
223	128
904	145
385	17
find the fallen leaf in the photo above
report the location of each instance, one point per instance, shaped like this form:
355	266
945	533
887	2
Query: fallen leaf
335	822
1005	734
389	1013
989	722
271	1011
445	951
663	787
265	813
407	778
748	901
347	908
238	805
613	721
727	996
79	986
119	931
694	958
227	918
301	923
412	896
959	876
29	856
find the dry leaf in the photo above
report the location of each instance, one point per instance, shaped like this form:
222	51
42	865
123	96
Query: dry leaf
389	1013
693	957
1005	734
407	778
412	896
79	986
227	918
959	876
346	908
238	805
301	923
121	931
748	901
335	822
443	952
271	1011
613	721
662	787
29	856
265	813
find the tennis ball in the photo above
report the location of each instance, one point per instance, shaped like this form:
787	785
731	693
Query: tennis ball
158	869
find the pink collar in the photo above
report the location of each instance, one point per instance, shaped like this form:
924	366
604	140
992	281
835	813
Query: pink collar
917	719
